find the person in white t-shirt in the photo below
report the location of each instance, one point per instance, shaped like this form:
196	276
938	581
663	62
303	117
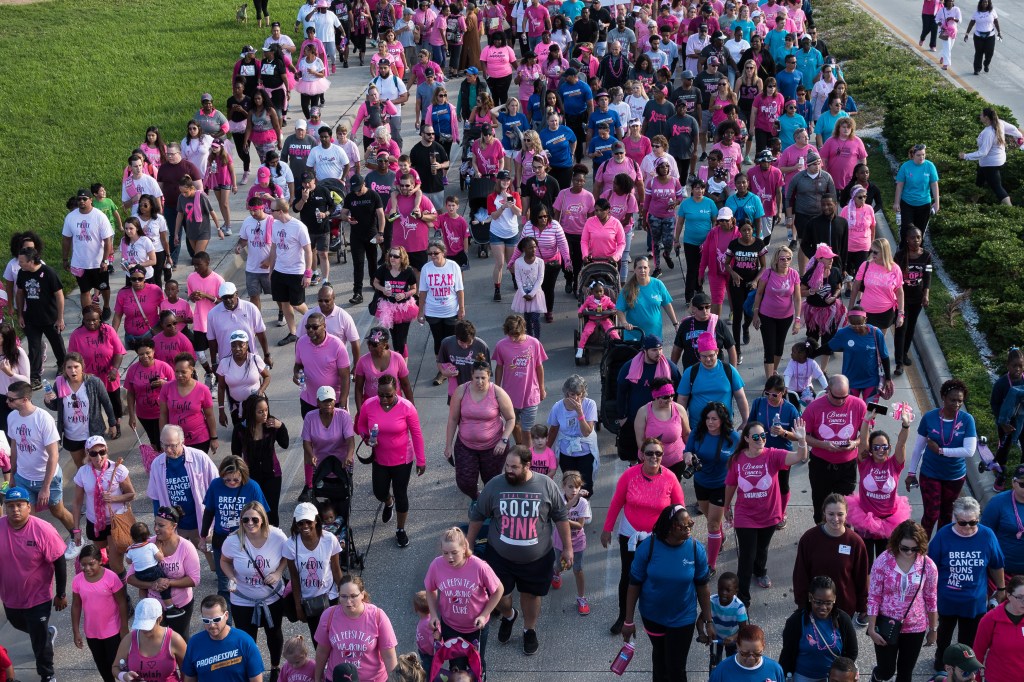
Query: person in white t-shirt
441	295
291	266
339	322
34	439
254	240
392	89
87	245
279	38
138	184
329	161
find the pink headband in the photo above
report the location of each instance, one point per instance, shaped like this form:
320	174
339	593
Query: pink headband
665	390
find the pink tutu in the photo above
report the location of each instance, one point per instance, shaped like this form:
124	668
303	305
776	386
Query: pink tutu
825	320
314	87
390	314
871	526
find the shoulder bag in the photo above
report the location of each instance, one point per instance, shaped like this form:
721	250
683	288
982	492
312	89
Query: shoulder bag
890	628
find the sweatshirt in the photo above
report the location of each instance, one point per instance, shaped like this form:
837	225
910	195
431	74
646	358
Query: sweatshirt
998	640
642	498
844	559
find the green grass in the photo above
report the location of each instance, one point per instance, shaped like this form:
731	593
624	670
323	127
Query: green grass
83	80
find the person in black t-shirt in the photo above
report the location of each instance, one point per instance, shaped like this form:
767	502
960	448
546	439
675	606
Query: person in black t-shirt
364	211
745	259
238	107
40	305
429	159
690	328
394	296
584	29
315	205
541	188
820	287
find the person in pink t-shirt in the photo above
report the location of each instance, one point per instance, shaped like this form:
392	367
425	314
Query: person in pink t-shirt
573	207
203	291
462	590
753	481
412	228
861	227
777	306
189	404
397	441
519	369
182	308
138	305
326	432
170	342
842	151
99	594
103	354
356	632
320	360
142	383
879	284
379	361
538	20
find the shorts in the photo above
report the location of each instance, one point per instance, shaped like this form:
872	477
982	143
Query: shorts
417	259
715	496
94	278
577	561
285	288
197	232
530	578
33	487
883	320
526	417
200	342
320	242
705	122
72	445
90	532
257	283
507	241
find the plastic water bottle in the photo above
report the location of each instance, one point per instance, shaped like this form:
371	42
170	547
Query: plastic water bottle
374	432
899	219
302	379
47	387
625	655
776	421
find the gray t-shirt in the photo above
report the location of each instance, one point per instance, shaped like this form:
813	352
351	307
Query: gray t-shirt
522	516
296	151
463	358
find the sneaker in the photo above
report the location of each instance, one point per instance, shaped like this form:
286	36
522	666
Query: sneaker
898	372
497	294
568	287
781	525
52	629
579	353
106	315
210	379
505	629
999	485
549	318
668	261
280	318
582	606
861	620
764	582
227	231
907	362
356	299
174	612
388	513
616	627
739	359
401	538
530	643
37	384
325	283
747	160
314	281
72	551
746	337
556	581
393	216
245	178
712	572
703	156
291	338
657	273
306	495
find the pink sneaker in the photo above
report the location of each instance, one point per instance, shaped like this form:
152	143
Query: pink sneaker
556	581
582	606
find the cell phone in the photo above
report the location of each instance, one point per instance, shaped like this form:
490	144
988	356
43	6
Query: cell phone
878	409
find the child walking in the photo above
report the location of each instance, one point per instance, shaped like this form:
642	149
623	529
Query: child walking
729	614
598	310
579	517
528	272
544	462
424	633
298	666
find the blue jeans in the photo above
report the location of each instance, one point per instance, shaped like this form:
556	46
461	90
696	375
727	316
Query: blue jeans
222	578
439	55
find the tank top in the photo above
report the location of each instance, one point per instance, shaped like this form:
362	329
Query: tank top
720	114
747	94
261	122
669	432
480	422
159	668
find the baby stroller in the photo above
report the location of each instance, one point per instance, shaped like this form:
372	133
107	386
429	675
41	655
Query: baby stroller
339	243
598	270
617	352
332	483
479	219
450	654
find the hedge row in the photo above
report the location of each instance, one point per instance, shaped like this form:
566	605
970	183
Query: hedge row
980	242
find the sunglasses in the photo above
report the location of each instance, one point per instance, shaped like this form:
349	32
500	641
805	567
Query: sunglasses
758	437
823	602
433	253
101	453
314	327
251	520
964	524
909	550
653	453
213	621
880	448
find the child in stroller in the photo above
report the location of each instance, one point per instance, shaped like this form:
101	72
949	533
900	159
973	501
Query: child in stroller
606	273
597	310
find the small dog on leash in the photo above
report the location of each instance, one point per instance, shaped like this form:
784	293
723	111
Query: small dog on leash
242	15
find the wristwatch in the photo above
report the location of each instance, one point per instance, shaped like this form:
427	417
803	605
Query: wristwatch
505	441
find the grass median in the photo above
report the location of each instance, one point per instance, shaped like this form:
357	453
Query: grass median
83	81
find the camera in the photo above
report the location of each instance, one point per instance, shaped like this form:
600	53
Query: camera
693	467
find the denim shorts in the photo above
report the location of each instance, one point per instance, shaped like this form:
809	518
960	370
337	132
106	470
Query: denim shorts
33	487
527	417
510	242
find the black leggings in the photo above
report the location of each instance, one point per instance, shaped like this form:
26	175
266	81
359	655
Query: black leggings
929	29
115	400
243	149
898	660
773	335
271	487
551	271
992	176
152	429
441	328
905	333
563	176
104	651
670	647
984	48
740	320
626	563
576	254
242	616
966	628
400	336
364	251
261	9
392	481
310	101
753	557
499	89
918	216
692	255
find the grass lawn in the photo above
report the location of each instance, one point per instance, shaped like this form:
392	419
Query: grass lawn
83	81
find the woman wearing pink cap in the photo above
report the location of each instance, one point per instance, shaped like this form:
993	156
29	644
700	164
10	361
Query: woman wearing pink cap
714	255
820	286
264	189
752	481
665	419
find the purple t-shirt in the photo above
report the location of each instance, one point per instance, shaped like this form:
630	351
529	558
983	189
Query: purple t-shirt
320	364
330	440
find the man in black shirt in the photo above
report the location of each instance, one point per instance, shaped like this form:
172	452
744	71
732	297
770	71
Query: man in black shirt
584	29
297	147
707	83
690	328
657	112
827	228
364	211
429	159
683	131
40	305
604	21
688	93
315	205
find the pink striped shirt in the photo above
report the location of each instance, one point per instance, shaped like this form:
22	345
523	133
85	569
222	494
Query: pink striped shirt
552	246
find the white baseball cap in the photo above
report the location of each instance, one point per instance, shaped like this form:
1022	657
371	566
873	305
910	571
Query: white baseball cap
148	613
325	393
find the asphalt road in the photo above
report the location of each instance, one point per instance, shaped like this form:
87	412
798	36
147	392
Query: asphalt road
573	649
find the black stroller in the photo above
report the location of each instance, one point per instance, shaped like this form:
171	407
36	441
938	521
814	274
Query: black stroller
332	483
617	352
339	242
605	272
479	219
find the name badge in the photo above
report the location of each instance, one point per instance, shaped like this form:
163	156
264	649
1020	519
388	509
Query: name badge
844	549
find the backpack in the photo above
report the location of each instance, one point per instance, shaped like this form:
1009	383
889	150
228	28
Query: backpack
692	374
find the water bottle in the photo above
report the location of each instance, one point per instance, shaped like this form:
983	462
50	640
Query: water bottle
302	379
625	655
374	432
801	163
899	219
776	421
47	387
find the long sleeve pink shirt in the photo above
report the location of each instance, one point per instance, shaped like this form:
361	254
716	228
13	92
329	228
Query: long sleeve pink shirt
998	644
891	590
713	250
641	498
603	240
400	437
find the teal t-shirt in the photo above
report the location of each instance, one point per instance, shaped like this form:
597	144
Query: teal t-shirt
698	217
916	179
646	311
787	126
827	123
710	385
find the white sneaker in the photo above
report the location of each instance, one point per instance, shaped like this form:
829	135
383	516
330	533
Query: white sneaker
52	629
73	550
579	353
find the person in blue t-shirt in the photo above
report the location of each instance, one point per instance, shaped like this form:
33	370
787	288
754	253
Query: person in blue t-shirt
560	144
513	125
863	348
817	633
946	439
917	190
221	653
643	300
600	146
749	664
1004	514
711	381
967	556
578	100
694	219
602	114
